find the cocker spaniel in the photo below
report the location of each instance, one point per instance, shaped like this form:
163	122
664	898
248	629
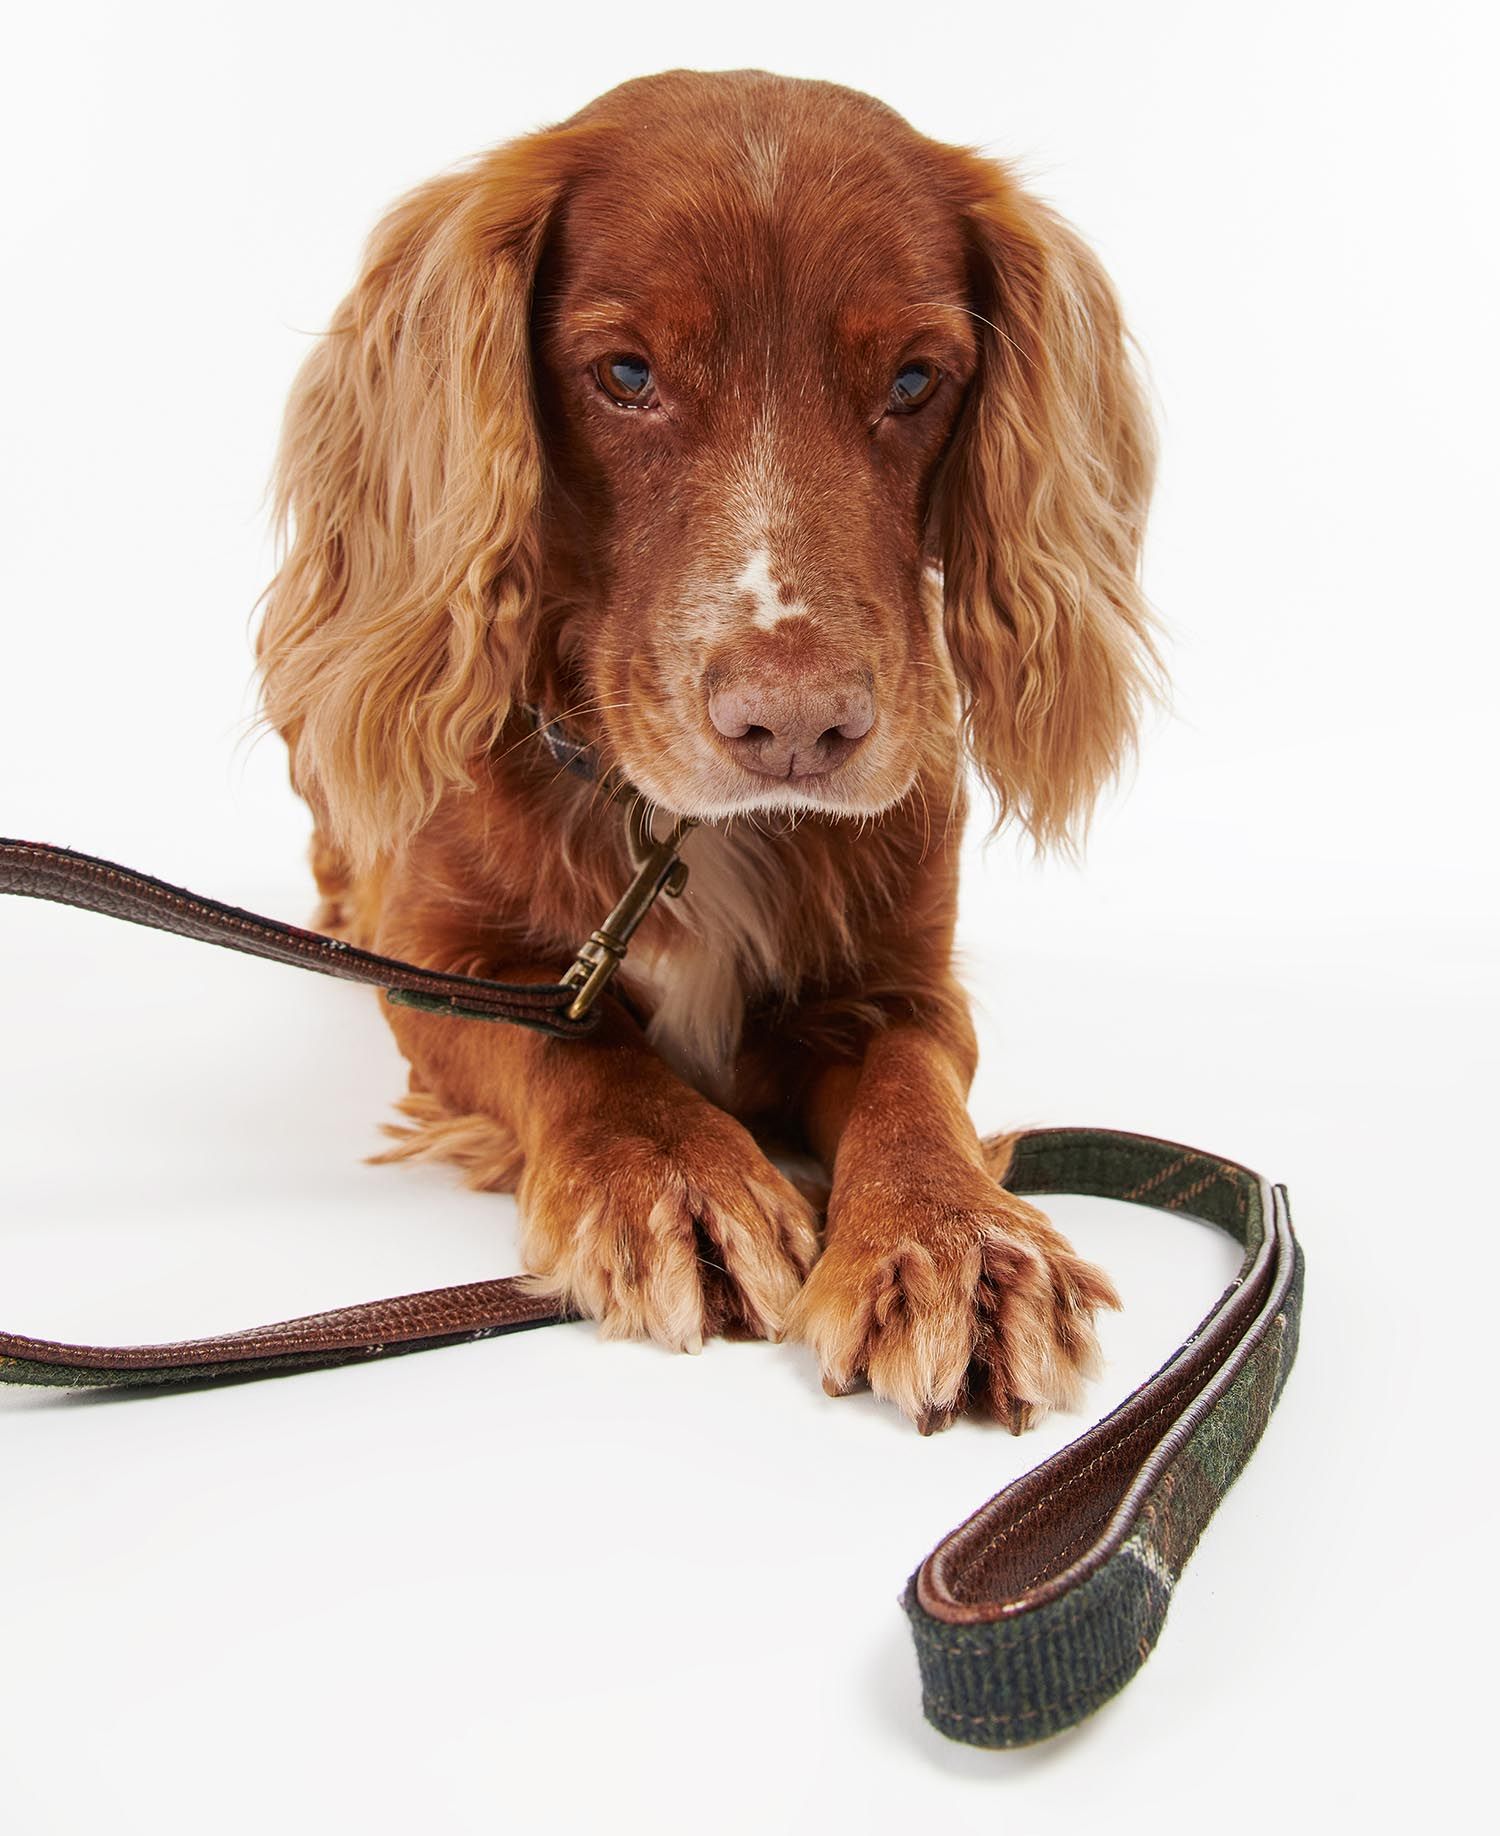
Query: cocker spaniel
782	461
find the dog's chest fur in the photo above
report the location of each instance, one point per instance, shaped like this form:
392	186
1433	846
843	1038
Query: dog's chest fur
726	940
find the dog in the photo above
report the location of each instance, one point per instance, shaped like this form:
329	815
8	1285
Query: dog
786	463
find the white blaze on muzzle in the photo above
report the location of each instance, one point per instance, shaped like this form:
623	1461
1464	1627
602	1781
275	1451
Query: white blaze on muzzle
757	581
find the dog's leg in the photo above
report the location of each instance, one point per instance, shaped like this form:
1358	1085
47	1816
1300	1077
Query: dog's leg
937	1286
642	1204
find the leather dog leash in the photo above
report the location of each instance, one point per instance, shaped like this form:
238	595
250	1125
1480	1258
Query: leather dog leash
34	870
1050	1597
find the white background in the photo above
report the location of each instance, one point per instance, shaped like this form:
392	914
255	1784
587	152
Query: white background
544	1583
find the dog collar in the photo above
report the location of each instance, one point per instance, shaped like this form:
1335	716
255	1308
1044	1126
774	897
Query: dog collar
573	755
658	868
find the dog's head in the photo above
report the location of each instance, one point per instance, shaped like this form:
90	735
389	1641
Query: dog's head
774	444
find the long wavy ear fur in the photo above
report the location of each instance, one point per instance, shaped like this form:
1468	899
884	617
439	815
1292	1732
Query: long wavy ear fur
1039	514
397	627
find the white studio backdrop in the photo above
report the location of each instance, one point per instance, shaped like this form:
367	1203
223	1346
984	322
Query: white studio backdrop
545	1583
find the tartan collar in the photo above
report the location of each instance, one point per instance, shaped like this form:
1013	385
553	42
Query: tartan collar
573	755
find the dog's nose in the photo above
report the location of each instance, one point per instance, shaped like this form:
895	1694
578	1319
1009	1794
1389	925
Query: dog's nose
790	727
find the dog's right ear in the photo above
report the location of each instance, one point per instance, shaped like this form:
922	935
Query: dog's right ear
397	628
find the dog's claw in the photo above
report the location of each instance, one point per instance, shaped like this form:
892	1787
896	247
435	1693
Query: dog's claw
1019	1416
935	1421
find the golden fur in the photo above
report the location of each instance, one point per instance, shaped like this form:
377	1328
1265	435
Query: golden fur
476	522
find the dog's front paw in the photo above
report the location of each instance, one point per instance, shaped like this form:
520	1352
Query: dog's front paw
670	1231
968	1301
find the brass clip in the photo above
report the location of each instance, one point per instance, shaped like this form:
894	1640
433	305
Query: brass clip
657	870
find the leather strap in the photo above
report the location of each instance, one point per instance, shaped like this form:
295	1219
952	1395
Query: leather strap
35	871
1050	1597
347	1335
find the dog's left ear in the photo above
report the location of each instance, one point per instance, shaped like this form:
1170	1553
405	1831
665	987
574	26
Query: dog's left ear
1038	513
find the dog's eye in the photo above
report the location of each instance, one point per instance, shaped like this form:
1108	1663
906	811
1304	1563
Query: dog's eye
913	386
626	380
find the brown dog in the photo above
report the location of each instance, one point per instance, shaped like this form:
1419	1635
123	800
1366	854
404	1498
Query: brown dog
784	457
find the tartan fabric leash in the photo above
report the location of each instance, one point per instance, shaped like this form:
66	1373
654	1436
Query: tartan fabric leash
1031	1614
